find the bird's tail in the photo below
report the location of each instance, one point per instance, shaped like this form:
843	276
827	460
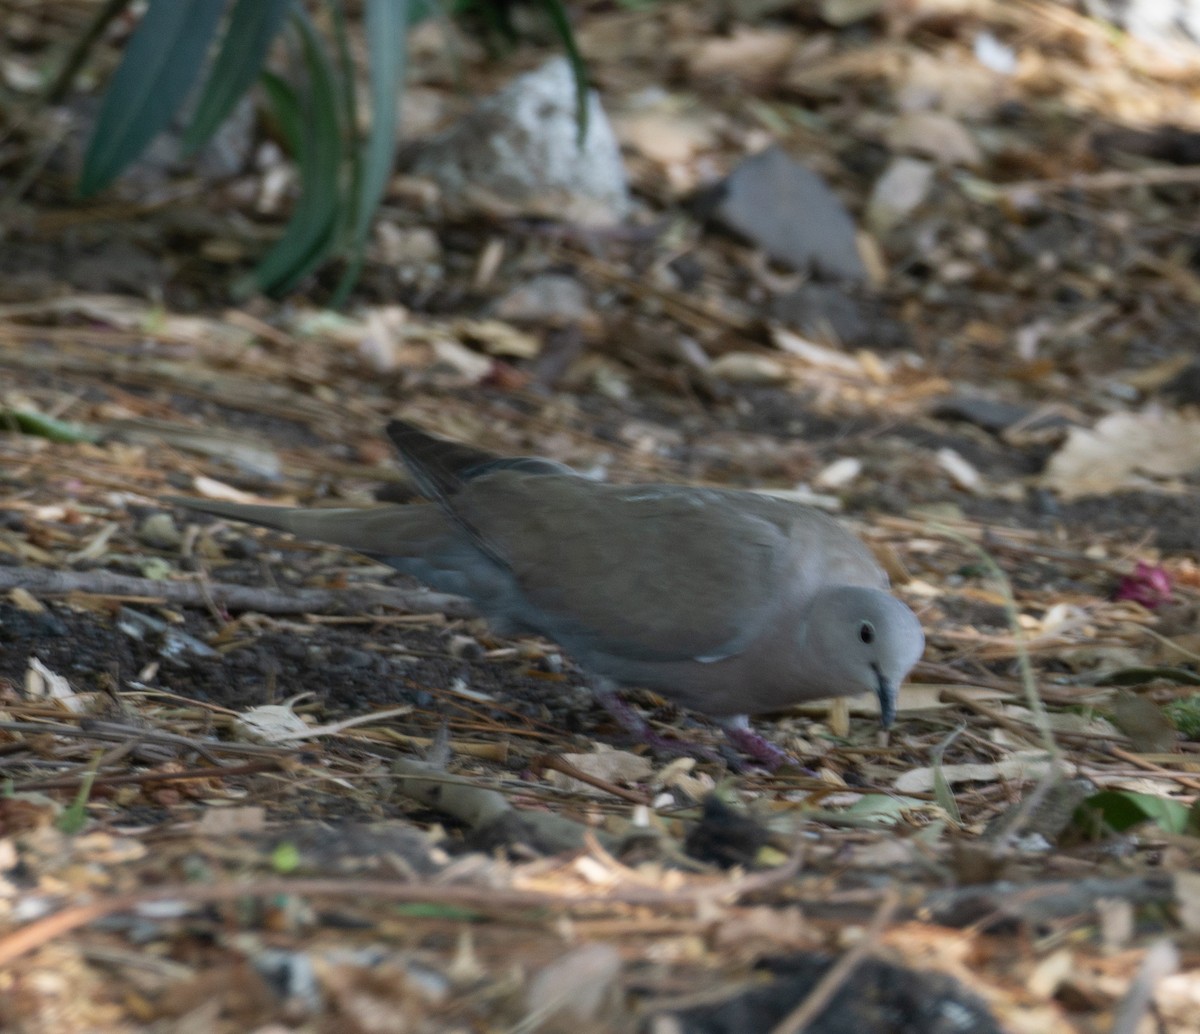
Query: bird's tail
378	531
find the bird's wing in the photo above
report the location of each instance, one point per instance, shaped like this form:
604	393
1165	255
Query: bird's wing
647	572
440	467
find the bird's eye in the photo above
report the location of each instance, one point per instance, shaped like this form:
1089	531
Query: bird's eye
866	632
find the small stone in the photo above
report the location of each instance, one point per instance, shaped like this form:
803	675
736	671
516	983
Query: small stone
749	368
963	473
160	531
839	473
550	298
900	191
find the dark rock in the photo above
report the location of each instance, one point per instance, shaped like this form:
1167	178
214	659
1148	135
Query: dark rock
877	996
817	310
990	414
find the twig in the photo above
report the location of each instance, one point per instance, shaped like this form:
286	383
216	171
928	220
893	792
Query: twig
1033	700
336	728
115	731
1023	730
1149	766
135	778
485	900
232	597
557	763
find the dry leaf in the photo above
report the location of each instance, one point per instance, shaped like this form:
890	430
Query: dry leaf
936	136
612	766
221	822
499	338
270	723
751	56
578	984
902	188
814	354
1125	451
1022	766
43	684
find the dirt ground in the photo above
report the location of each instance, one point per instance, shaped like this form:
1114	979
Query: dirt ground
259	784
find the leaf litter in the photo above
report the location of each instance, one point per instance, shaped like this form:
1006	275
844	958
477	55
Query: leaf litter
431	843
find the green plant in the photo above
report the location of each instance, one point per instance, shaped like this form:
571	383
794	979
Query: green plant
1185	716
342	171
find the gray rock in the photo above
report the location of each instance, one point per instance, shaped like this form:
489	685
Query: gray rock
548	298
1155	21
518	153
788	211
994	415
991	414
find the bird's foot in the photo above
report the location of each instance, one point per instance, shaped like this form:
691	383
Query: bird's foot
634	724
759	749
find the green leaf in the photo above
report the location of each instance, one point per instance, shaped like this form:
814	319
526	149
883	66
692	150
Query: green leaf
884	809
436	910
562	25
252	28
285	109
160	64
286	857
1120	810
943	794
387	45
42	426
74	816
308	236
345	80
1184	714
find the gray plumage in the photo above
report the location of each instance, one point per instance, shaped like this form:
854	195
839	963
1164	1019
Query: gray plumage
728	602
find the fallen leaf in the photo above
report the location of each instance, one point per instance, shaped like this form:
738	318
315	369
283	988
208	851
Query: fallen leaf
1125	451
936	136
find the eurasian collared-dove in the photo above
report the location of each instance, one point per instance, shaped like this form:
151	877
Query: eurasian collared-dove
728	602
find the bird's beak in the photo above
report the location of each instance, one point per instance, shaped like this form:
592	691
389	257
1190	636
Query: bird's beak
887	694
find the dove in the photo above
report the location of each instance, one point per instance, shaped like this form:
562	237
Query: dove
727	602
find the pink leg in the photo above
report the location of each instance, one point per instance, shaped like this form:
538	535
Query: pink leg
634	724
739	733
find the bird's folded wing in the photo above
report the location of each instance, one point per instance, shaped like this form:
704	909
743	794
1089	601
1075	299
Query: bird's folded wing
645	572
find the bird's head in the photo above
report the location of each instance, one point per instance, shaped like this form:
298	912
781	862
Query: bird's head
864	640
